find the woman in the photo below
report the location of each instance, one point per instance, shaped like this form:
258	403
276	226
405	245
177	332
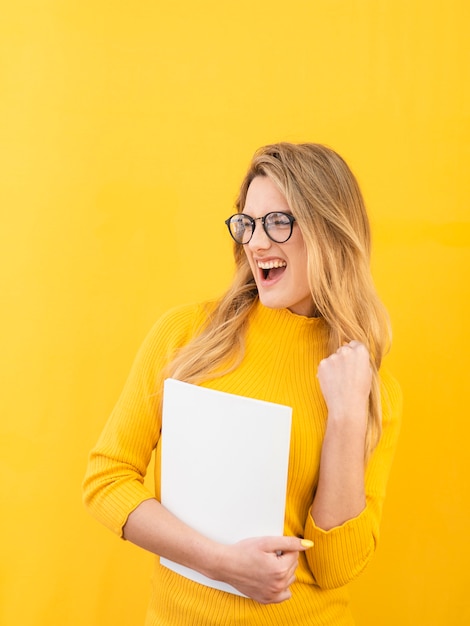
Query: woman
302	326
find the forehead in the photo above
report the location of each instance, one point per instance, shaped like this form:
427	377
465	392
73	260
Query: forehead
264	196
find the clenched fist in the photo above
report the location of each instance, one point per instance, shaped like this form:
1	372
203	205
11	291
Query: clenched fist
345	381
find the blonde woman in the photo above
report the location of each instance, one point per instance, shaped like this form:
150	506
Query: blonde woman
302	326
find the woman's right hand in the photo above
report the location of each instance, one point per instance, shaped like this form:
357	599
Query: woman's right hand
262	568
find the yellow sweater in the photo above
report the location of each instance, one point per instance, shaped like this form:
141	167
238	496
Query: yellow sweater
280	365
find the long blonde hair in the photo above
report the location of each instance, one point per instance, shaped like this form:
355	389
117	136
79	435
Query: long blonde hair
327	203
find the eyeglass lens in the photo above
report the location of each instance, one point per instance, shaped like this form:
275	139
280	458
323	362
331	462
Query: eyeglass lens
278	226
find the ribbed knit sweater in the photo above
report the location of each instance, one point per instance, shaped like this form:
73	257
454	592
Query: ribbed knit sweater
282	354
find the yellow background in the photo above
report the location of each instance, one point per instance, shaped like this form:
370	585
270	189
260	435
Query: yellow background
125	128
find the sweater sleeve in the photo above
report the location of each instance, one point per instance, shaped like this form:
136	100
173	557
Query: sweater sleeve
341	553
114	481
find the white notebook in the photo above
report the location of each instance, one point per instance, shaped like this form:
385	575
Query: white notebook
224	466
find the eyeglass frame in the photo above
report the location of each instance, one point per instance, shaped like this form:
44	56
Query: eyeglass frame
253	221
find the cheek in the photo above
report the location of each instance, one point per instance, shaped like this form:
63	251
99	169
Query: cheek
246	253
249	260
300	262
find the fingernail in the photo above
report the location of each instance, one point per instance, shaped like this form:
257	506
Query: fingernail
306	543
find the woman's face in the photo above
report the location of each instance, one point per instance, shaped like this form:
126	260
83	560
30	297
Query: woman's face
284	286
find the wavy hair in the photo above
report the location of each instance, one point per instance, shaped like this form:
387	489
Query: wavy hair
326	201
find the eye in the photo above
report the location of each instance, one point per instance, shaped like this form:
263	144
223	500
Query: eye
239	224
278	220
245	221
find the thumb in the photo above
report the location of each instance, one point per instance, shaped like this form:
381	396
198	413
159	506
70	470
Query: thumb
279	545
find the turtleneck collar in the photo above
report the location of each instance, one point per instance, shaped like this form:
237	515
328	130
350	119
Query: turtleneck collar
290	324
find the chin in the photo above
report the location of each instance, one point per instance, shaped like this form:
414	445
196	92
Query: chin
271	303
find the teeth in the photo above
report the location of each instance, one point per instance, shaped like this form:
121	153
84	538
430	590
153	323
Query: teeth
269	265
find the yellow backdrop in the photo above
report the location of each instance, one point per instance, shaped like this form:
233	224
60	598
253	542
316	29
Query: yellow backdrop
125	130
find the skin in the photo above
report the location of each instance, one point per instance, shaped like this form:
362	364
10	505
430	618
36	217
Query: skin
254	566
345	380
345	377
291	291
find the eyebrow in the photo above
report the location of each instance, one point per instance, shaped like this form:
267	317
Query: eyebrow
289	212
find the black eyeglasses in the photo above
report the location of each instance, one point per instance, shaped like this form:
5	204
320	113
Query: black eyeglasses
278	226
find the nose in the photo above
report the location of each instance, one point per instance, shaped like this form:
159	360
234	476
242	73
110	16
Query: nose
259	239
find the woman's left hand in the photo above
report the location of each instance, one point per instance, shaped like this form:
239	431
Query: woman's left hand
345	380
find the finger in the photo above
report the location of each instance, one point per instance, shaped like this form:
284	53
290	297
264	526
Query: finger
358	345
283	596
281	545
292	570
354	343
294	544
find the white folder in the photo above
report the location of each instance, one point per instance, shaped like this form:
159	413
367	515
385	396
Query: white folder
224	466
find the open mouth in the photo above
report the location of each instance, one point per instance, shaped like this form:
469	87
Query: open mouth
271	270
